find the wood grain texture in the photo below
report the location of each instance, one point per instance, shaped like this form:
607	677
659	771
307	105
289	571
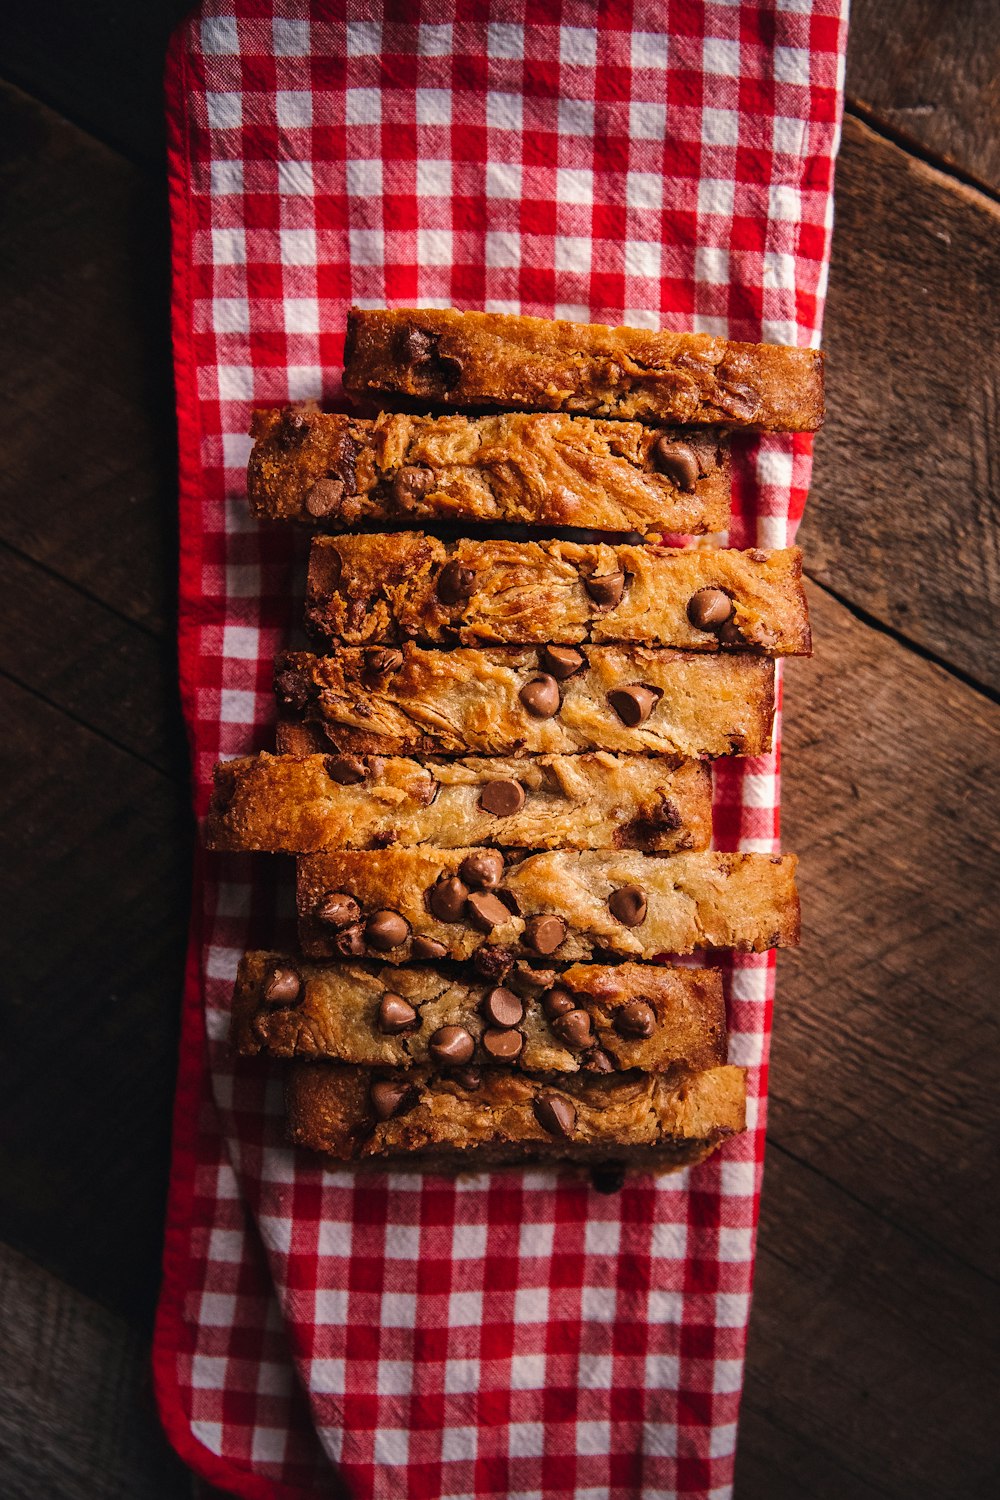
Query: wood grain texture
100	65
95	887
88	481
902	521
871	1361
77	1421
886	1067
868	1361
85	658
931	69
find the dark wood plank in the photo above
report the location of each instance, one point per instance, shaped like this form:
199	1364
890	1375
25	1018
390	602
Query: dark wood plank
100	65
95	887
115	677
870	1366
88	482
775	1462
902	521
886	1068
932	71
77	1421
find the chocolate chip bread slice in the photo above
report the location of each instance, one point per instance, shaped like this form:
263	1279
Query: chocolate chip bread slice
529	469
296	805
448	358
384	590
428	1120
600	1019
398	904
387	700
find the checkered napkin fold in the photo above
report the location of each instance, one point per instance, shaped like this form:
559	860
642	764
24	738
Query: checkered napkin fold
666	166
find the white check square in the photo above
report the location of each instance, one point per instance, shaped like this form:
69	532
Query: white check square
293	108
225	111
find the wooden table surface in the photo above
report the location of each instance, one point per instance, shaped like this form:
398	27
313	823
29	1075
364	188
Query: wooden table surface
873	1337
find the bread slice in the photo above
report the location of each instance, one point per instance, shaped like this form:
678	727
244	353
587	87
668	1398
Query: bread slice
385	590
448	358
426	1120
559	906
289	804
535	469
593	1017
386	700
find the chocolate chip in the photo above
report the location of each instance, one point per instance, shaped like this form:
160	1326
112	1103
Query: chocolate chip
502	798
425	790
449	369
395	1015
561	661
628	905
425	947
291	689
455	584
558	1002
447	899
503	1045
647	832
467	1078
502	1008
385	930
705	448
635	1019
606	590
525	981
383	660
350	941
391	1096
634	704
451	1044
544	933
574	1029
540	696
667	816
609	1178
294	426
731	635
677	461
345	770
283	986
493	961
413	345
337	909
411	484
598	1061
510	901
735	397
709	609
324	498
554	1114
483	870
486	911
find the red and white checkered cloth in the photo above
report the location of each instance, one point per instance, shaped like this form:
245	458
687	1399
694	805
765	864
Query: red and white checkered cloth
660	162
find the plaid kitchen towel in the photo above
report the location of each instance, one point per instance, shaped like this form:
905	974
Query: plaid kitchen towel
666	163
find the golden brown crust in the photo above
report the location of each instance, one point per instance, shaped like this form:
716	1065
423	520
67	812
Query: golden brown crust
392	701
530	469
335	1014
298	805
694	901
384	590
447	358
646	1121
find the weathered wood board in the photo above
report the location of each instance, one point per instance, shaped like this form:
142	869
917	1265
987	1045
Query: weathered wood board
902	521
